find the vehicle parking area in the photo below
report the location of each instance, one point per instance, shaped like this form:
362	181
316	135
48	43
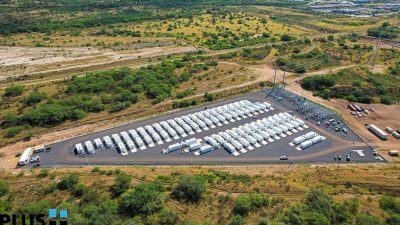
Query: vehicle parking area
255	128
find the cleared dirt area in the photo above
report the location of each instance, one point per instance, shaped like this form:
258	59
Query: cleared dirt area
20	61
384	116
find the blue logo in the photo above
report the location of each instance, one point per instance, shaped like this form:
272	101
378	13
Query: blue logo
53	217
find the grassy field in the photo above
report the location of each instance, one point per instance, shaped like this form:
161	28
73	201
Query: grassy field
275	190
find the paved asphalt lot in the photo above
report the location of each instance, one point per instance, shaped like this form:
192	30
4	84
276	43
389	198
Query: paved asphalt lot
336	143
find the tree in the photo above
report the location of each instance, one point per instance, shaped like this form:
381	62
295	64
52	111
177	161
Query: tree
68	181
365	219
14	90
189	188
121	184
145	198
78	189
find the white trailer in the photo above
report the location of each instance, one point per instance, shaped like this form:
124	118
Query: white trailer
396	135
89	147
98	143
258	137
377	131
26	156
108	142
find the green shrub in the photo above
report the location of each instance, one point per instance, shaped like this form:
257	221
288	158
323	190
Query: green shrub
14	90
4	187
237	220
244	203
189	188
145	198
365	219
78	189
43	173
167	217
121	184
68	181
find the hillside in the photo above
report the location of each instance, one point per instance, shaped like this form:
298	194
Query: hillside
295	194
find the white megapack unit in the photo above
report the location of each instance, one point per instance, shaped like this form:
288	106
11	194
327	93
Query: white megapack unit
264	134
237	144
277	130
226	136
79	149
283	128
310	135
271	132
212	142
188	142
122	148
244	142
133	133
130	144
172	132
116	138
25	157
317	139
98	143
174	147
139	141
206	148
229	147
306	144
299	140
396	135
89	147
300	122
194	146
377	131
108	142
258	137
251	139
218	138
148	139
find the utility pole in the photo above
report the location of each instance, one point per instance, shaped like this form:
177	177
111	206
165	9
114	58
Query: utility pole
377	50
284	75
